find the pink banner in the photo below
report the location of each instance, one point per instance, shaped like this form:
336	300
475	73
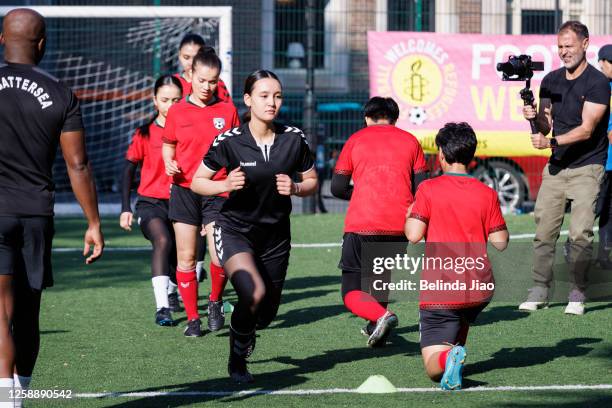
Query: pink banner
438	78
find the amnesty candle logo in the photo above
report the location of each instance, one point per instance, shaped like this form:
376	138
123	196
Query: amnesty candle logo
418	75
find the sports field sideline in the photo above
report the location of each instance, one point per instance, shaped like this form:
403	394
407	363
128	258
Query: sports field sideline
100	342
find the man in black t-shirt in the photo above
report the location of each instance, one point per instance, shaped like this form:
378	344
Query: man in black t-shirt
37	113
575	104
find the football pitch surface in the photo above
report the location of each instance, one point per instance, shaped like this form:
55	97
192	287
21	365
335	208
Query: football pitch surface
99	340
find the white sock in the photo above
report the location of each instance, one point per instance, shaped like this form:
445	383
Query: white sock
6	385
172	287
21	383
160	289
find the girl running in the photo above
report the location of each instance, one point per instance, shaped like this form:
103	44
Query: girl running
252	231
190	45
190	129
153	195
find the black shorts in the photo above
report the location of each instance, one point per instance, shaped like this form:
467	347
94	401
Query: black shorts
440	326
350	260
270	247
210	208
25	249
185	206
350	263
148	208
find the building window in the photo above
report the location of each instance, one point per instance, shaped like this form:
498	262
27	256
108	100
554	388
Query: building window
290	33
283	43
538	22
402	15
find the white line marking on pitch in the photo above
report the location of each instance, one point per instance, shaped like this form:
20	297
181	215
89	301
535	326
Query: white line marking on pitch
148	248
315	245
332	391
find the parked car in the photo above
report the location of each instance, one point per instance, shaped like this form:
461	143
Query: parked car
516	179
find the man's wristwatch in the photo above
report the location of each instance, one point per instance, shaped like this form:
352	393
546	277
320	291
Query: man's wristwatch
553	143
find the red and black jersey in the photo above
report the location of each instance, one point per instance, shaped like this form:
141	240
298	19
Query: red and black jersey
458	210
148	150
222	92
192	129
381	160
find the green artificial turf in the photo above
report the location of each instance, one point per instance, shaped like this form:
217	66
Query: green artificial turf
98	336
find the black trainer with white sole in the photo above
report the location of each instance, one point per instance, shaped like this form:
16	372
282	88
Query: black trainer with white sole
173	302
216	315
194	328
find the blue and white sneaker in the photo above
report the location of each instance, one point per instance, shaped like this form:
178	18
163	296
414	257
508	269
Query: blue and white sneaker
452	378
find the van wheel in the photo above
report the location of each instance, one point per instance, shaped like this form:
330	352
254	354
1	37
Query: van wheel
506	180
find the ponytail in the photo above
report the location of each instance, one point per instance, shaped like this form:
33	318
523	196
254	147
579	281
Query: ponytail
161	81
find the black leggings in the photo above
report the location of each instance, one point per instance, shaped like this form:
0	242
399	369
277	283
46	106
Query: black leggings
258	295
163	258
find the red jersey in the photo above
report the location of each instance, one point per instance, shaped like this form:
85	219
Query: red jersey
457	209
192	129
222	92
382	160
148	150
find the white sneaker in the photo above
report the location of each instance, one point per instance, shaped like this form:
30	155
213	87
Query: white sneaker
537	299
533	306
575	308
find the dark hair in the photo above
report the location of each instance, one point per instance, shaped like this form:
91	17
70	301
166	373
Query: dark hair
207	57
458	142
192	38
161	81
249	85
381	108
577	27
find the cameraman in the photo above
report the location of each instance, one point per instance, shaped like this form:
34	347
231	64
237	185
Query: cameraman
575	104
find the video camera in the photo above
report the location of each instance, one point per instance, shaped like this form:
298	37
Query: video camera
520	68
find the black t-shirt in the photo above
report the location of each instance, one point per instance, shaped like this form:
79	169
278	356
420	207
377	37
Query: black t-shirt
35	109
258	204
568	97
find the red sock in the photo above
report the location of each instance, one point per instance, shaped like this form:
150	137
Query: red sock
442	359
188	288
218	279
364	305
